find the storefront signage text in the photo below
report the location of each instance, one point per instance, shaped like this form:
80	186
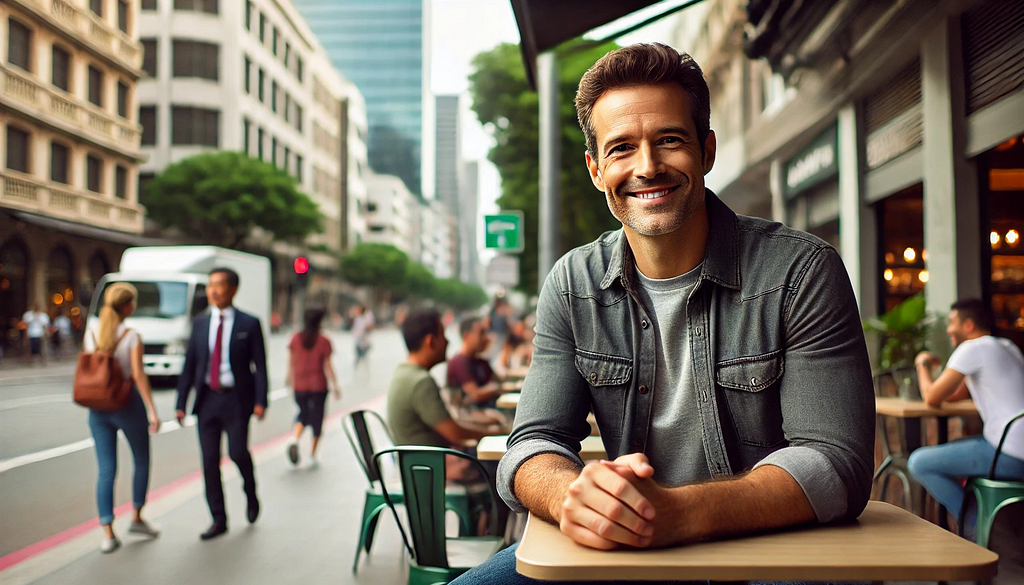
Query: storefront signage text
815	163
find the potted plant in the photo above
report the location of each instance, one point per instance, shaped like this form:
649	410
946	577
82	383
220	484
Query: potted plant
902	334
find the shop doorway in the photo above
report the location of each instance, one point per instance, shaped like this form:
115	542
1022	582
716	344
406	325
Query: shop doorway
901	246
1002	186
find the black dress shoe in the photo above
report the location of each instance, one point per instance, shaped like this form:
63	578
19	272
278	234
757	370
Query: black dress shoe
214	531
254	510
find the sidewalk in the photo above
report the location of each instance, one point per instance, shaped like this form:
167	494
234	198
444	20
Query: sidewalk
18	368
307	530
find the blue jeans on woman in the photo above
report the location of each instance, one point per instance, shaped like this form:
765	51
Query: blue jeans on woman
940	468
501	570
132	421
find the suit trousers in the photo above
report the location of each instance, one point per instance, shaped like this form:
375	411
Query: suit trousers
222	413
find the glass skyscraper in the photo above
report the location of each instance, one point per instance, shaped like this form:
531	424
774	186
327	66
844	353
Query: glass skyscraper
378	44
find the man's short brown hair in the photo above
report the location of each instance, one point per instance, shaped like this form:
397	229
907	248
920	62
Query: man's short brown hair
643	64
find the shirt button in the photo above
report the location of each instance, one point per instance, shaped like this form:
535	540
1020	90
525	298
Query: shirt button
642	389
644	323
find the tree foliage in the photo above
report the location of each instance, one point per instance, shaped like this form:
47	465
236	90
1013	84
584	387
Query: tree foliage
389	273
505	104
219	197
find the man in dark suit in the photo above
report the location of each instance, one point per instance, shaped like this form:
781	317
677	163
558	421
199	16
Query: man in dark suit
226	362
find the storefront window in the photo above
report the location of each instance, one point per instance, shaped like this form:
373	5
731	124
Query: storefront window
13	290
1003	181
901	219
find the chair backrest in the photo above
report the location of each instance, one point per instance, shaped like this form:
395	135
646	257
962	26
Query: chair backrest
423	487
359	429
1002	439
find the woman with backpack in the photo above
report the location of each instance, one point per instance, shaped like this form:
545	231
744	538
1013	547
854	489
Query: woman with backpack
114	337
309	369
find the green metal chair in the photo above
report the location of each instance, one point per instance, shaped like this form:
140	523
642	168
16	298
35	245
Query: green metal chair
437	559
991	494
361	427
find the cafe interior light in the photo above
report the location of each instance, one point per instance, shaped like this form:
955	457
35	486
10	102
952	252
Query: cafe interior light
1012	237
58	299
923	276
924	255
887	275
994	239
910	254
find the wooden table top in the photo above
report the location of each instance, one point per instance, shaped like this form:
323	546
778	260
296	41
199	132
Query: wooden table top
892	406
518	372
511	386
509	400
885	543
493	447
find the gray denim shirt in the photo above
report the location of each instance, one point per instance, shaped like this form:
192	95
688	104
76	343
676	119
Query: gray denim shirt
776	345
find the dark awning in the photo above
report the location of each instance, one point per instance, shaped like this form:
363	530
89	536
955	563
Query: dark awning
545	24
86	231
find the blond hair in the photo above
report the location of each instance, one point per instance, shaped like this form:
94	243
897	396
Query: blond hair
115	298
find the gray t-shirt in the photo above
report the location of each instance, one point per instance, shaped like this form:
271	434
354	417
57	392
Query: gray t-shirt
675	443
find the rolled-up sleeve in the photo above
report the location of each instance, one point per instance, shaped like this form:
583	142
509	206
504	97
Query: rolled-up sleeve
552	413
826	393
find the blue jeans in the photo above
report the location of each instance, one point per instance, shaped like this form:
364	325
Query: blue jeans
132	421
501	570
940	468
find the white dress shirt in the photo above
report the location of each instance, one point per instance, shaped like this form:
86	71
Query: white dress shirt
227	377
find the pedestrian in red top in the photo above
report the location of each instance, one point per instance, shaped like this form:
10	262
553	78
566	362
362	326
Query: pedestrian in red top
309	369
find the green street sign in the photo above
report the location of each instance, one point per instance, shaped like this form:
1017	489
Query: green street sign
504	231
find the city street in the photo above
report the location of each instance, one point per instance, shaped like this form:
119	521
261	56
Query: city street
47	467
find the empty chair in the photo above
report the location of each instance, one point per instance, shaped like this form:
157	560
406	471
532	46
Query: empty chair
991	494
361	427
436	558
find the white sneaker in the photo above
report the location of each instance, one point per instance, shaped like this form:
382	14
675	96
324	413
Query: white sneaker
314	462
141	527
293	453
109	545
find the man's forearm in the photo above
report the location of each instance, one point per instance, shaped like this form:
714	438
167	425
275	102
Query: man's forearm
763	499
541	482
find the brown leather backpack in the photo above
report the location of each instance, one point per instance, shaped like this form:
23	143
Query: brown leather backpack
99	383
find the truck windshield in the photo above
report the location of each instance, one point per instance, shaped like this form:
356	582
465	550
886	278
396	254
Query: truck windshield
162	300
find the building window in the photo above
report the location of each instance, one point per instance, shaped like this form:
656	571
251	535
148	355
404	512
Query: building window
195	126
59	155
122	15
60	67
122	99
149	61
273	151
248	75
147	118
144	181
121	182
149	4
246	129
95	86
209	6
901	242
287	106
298	168
93	173
195	59
298	117
263	28
96	6
262	81
298	68
260	138
17	149
248	14
286	159
273	96
19	44
273	41
287	53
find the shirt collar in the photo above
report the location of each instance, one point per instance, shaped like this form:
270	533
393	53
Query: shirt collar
227	313
721	256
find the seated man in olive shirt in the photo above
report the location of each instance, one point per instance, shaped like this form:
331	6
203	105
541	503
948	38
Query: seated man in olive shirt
416	413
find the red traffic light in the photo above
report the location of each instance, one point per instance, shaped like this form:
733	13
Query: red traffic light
301	265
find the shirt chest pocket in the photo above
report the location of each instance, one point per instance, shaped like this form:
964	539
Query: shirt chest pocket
609	377
751	392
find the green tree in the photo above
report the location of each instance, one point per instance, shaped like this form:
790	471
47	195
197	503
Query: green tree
505	104
382	267
219	197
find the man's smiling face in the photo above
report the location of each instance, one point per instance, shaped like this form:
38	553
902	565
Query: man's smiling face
649	162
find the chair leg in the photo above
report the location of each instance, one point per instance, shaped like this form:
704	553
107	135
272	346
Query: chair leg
367	528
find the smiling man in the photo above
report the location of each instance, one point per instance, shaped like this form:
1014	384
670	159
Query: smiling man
722	355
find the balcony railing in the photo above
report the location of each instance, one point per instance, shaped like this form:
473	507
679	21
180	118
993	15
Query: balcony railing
28	193
83	24
87	120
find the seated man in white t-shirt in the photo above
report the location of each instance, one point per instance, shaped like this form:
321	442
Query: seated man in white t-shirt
993	370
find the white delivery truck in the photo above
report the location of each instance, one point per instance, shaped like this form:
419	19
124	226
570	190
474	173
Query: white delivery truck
171	281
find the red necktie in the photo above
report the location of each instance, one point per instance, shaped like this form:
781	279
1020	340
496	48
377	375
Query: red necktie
215	361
